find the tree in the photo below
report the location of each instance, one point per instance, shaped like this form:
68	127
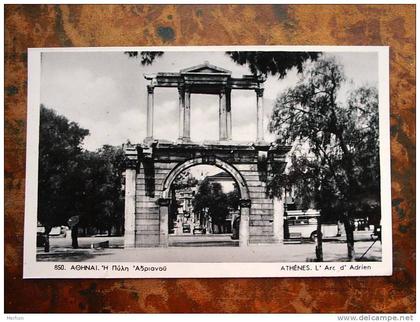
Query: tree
184	180
146	57
75	182
59	149
100	189
234	197
210	196
218	208
336	153
259	62
112	196
202	199
272	62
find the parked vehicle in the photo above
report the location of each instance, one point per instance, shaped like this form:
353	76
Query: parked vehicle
57	231
186	228
377	233
303	224
199	230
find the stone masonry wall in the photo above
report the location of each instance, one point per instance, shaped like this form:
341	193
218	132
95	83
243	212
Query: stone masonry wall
147	209
262	208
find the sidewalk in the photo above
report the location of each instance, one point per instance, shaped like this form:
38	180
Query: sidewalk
333	252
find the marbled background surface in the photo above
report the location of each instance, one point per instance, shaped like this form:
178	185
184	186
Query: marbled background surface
140	25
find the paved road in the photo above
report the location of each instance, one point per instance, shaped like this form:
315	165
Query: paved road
333	251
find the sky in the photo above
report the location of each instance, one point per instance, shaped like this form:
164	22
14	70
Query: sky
105	92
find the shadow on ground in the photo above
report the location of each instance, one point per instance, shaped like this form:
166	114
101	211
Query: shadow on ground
78	255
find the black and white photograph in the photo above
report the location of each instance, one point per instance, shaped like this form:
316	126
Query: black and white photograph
262	161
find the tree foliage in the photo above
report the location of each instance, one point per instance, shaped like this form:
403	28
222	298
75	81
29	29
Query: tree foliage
234	197
73	181
60	149
101	197
272	62
259	62
336	144
210	195
184	180
146	57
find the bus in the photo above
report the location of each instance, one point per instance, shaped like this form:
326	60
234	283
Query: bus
302	224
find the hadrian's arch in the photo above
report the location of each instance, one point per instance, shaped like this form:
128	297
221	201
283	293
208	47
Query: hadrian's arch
152	165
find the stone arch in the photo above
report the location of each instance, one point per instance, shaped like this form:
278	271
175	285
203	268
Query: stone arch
236	175
245	202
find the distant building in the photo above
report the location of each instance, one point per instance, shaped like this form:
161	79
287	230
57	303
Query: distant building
183	212
225	180
184	197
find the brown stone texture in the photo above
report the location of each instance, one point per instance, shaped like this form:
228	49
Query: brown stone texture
135	25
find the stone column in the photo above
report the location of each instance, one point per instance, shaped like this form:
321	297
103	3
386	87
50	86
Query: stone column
150	107
222	116
130	207
260	115
181	92
229	115
245	205
187	115
163	221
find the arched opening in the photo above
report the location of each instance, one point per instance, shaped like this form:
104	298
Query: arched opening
207	204
204	208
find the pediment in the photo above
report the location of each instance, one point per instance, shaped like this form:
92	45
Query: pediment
205	68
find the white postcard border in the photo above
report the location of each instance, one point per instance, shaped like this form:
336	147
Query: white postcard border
34	269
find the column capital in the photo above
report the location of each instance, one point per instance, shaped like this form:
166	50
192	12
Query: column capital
181	89
260	92
163	202
245	203
130	164
130	157
187	88
224	90
150	89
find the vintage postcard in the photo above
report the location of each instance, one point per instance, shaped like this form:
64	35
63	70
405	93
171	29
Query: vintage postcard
238	161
